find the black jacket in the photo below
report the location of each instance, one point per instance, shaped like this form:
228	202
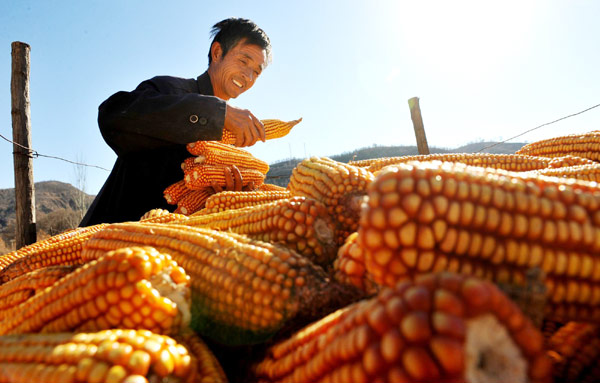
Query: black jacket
148	129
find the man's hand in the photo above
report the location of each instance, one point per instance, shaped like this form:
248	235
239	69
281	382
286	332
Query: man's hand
247	128
233	181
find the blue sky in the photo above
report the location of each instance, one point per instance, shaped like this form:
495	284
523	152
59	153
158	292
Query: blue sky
483	71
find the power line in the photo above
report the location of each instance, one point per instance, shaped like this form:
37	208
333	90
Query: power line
537	127
34	154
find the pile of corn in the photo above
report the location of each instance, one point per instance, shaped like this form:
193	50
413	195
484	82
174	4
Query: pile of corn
209	170
461	267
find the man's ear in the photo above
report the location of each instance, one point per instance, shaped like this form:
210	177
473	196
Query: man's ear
216	51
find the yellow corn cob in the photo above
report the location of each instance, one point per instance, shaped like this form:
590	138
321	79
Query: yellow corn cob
511	162
300	223
193	201
271	187
441	328
590	172
135	288
202	176
189	163
228	200
62	249
200	147
349	266
220	157
493	224
339	186
559	162
24	287
161	216
125	356
243	290
572	348
273	129
209	367
586	145
175	192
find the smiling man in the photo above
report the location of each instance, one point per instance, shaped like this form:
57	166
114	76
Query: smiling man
149	127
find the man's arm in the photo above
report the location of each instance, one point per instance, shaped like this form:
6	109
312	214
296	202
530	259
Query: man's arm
149	117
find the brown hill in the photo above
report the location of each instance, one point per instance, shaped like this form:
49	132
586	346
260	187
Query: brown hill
58	205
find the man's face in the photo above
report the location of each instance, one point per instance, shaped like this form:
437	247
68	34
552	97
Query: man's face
236	72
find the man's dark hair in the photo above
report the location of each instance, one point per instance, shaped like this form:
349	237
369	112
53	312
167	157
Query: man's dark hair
231	31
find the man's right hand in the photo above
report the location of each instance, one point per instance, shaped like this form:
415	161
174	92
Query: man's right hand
244	125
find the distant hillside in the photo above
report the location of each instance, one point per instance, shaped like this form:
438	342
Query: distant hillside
58	205
280	172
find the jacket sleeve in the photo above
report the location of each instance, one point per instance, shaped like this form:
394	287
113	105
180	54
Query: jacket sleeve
157	114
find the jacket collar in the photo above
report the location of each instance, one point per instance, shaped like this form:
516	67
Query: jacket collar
204	85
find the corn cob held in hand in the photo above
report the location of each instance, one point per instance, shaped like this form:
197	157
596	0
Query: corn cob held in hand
273	129
493	224
441	328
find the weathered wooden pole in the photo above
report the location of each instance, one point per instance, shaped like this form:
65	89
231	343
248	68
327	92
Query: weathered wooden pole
415	115
22	154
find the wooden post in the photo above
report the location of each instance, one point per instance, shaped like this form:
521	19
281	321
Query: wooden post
415	115
22	154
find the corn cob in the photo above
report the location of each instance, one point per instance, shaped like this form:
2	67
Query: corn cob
201	147
105	356
580	172
209	367
175	192
193	202
560	162
135	288
220	157
441	328
62	249
300	223
161	216
24	287
339	186
203	176
273	129
572	348
586	145
494	224
511	162
243	290
271	187
189	163
229	200
349	266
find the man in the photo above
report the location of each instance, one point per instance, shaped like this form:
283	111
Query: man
149	127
